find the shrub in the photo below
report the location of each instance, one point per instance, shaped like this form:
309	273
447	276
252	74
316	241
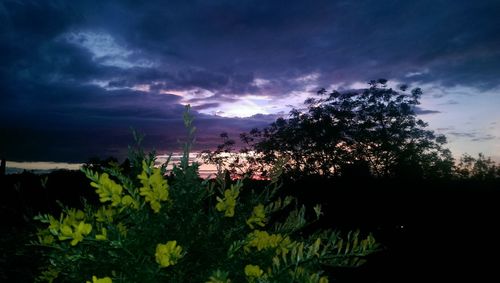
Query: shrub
148	229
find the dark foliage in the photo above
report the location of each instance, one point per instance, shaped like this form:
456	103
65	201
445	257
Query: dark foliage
22	197
369	132
480	168
430	229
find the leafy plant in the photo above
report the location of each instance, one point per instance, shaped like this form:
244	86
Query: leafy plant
148	229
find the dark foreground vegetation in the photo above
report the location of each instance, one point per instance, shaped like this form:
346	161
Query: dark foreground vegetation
430	230
364	157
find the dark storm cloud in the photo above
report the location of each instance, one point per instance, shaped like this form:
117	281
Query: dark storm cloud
72	122
212	44
342	41
78	69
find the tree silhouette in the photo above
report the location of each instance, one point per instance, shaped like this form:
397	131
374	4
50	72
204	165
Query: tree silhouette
480	168
370	131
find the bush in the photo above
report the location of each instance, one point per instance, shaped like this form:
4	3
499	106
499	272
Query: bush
189	230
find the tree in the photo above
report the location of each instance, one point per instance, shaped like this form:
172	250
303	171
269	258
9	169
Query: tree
480	168
343	133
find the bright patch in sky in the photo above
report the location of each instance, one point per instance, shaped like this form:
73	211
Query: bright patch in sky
259	82
247	107
194	97
309	78
416	74
42	165
105	50
141	87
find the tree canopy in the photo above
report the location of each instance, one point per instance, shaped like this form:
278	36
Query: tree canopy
480	168
368	132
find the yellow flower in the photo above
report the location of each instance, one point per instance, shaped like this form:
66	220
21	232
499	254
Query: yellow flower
104	215
72	226
168	254
108	190
65	232
129	201
75	215
284	246
80	230
72	218
323	279
229	202
103	236
263	240
154	187
54	225
100	280
253	271
258	217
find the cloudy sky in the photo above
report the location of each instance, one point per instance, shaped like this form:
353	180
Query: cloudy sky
76	75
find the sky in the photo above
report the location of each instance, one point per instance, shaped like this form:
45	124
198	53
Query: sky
75	76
